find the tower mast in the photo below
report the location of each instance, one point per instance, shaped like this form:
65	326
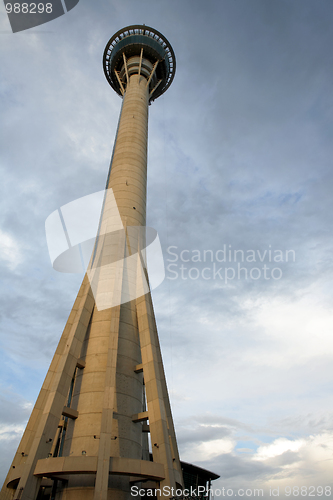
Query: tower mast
87	437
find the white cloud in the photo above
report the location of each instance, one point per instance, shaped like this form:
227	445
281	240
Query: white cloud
295	329
306	461
208	450
10	432
278	447
9	250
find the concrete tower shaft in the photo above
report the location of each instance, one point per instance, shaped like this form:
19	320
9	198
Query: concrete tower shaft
128	176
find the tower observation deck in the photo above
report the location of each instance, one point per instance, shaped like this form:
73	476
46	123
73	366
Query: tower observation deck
139	50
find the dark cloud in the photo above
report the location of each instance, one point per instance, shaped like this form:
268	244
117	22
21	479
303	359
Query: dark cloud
233	467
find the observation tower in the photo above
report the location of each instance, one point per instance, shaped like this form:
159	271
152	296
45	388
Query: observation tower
105	390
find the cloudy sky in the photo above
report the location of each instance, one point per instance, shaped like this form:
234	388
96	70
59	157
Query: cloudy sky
240	158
